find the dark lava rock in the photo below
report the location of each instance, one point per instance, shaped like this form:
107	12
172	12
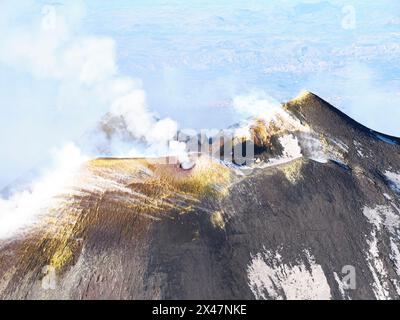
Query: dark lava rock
314	227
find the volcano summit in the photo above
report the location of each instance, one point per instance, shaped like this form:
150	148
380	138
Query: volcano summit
314	215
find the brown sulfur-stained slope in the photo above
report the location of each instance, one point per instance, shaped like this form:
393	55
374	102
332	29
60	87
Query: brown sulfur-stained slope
146	229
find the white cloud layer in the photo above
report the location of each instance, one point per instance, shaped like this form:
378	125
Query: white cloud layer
57	82
23	208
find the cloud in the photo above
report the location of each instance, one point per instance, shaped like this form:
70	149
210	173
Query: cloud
255	104
23	208
140	121
57	82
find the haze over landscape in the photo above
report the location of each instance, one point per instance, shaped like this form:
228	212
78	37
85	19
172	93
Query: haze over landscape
199	150
191	58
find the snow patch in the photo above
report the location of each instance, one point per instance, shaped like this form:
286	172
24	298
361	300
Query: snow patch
395	255
387	196
313	149
359	149
291	146
394	180
376	266
269	277
382	216
340	285
291	150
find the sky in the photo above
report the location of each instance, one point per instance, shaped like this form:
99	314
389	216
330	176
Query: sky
64	64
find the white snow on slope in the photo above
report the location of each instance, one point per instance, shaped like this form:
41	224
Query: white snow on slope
394	179
377	268
313	149
341	286
291	150
359	148
269	277
383	218
395	256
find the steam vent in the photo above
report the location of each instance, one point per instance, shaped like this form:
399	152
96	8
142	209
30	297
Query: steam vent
319	204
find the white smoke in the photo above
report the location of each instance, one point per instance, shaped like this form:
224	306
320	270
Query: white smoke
68	81
257	104
23	208
141	123
79	82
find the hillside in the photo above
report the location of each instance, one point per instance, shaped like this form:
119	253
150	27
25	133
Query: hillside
323	194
